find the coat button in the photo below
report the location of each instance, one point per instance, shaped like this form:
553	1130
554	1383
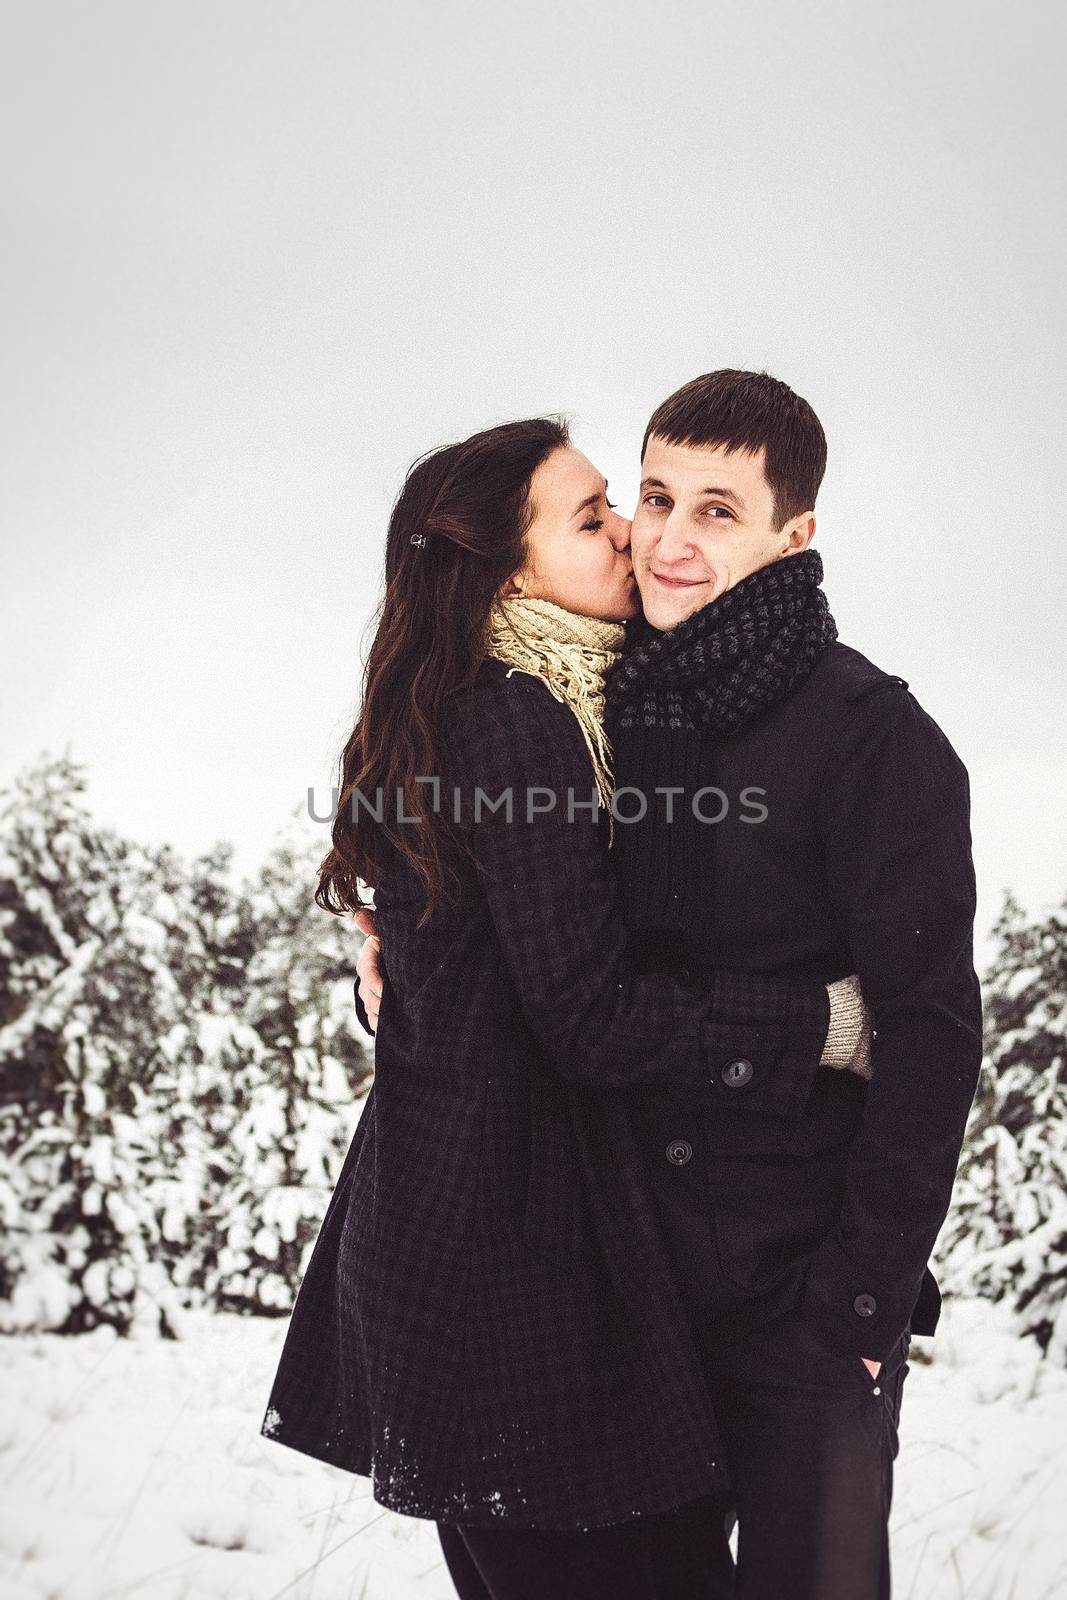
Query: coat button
865	1305
737	1073
679	1151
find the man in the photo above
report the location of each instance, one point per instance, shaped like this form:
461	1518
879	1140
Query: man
797	814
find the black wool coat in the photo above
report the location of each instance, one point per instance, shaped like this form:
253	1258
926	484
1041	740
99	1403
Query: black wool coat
861	864
490	1324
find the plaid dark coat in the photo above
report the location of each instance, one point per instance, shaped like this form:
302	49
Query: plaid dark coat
489	1325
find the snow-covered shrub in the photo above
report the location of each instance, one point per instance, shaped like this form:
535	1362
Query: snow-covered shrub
180	1070
1006	1235
297	1106
83	1000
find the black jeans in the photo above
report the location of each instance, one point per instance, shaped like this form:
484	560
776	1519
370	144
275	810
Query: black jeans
809	1439
679	1555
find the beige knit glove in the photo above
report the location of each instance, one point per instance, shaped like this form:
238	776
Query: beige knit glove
848	1041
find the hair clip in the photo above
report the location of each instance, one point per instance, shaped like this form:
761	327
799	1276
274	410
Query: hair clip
418	538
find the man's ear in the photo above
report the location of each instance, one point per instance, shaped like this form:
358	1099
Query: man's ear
798	534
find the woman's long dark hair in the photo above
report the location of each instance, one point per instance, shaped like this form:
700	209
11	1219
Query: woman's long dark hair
469	504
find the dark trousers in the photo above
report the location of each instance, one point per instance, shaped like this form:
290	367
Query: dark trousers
678	1555
809	1441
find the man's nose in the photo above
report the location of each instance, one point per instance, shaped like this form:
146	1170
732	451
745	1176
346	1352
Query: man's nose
674	542
619	532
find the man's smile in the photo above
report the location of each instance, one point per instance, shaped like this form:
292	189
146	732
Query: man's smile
678	583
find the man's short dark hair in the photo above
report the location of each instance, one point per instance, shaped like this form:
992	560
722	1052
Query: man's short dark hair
741	411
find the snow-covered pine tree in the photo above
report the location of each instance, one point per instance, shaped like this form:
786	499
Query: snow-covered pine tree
180	1069
301	1091
202	1063
1006	1234
85	995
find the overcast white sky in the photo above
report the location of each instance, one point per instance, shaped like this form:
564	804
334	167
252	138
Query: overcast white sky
258	257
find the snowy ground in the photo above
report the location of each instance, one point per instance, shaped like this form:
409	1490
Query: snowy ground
135	1471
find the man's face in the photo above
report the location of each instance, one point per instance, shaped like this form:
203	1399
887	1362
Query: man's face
704	521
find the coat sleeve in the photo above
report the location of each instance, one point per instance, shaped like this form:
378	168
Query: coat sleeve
895	827
744	1042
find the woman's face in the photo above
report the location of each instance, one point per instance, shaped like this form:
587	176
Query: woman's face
579	547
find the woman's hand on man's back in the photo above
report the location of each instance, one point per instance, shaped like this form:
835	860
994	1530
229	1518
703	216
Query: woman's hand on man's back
368	971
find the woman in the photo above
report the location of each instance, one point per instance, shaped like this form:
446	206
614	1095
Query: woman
488	1324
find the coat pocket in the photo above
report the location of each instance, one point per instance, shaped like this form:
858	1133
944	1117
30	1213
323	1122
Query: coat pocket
769	1215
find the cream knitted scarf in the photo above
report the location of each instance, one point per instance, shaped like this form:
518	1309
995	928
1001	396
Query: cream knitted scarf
570	654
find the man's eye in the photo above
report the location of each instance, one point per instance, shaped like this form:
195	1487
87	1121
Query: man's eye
594	526
724	509
651	499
